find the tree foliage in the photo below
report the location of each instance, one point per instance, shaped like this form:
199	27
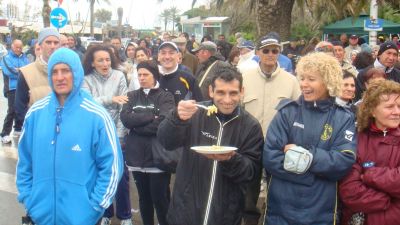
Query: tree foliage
102	15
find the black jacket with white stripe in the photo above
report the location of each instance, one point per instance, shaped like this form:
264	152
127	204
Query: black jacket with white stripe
207	191
142	115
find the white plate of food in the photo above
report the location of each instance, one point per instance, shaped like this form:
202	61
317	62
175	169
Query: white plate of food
213	149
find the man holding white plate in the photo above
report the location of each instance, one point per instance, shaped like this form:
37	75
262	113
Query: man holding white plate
210	186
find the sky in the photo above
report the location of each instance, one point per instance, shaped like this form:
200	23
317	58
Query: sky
139	13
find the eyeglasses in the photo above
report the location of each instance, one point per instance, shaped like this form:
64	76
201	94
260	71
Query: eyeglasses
266	51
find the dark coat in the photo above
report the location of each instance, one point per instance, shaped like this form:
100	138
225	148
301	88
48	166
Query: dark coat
182	85
194	174
142	115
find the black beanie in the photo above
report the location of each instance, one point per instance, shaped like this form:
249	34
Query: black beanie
150	66
387	45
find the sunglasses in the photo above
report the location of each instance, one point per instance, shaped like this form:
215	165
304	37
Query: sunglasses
274	51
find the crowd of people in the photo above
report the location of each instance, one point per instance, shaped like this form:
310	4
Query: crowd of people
315	126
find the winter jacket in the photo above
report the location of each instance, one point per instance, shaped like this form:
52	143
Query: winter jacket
328	132
69	156
9	64
262	94
33	85
103	89
181	84
139	116
215	61
190	61
374	189
207	191
391	73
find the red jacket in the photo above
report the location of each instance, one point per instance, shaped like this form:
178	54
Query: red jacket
374	189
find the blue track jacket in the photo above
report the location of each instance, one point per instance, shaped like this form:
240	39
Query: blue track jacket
70	160
13	62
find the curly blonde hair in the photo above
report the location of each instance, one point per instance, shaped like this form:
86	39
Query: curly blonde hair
326	66
371	99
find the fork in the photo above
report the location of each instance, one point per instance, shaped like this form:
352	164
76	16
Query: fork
202	106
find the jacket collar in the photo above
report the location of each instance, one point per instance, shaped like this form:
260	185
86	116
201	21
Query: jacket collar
320	105
379	65
272	75
391	131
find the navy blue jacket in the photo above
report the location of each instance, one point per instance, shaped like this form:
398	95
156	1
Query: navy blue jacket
182	85
328	132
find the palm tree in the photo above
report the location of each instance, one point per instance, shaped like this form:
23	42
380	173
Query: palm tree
274	15
46	13
173	11
165	15
91	2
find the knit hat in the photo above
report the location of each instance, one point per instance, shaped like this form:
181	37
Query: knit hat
150	66
46	32
387	45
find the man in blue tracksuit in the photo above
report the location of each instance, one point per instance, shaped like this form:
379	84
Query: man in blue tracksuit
70	160
10	65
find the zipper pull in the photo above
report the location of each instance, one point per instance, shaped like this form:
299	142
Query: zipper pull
315	104
384	133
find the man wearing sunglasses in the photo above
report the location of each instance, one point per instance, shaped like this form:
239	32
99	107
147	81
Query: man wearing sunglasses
264	87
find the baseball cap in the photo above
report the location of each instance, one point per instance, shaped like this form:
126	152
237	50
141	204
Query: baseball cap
168	44
271	38
179	40
354	36
207	45
246	44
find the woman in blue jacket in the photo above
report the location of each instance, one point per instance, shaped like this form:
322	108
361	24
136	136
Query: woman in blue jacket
309	146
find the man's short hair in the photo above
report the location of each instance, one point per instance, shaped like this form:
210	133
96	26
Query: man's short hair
227	74
117	37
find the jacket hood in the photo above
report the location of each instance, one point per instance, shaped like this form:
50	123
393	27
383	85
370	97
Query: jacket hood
69	57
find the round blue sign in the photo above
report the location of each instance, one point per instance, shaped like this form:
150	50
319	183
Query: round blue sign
58	17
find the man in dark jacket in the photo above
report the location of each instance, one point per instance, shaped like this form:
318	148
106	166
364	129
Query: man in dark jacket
181	84
209	188
210	59
386	59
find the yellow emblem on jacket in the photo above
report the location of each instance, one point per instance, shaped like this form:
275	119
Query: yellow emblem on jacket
327	133
184	81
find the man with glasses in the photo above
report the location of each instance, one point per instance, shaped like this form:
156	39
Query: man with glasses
264	87
353	45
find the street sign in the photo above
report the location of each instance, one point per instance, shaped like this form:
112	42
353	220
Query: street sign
58	17
373	25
